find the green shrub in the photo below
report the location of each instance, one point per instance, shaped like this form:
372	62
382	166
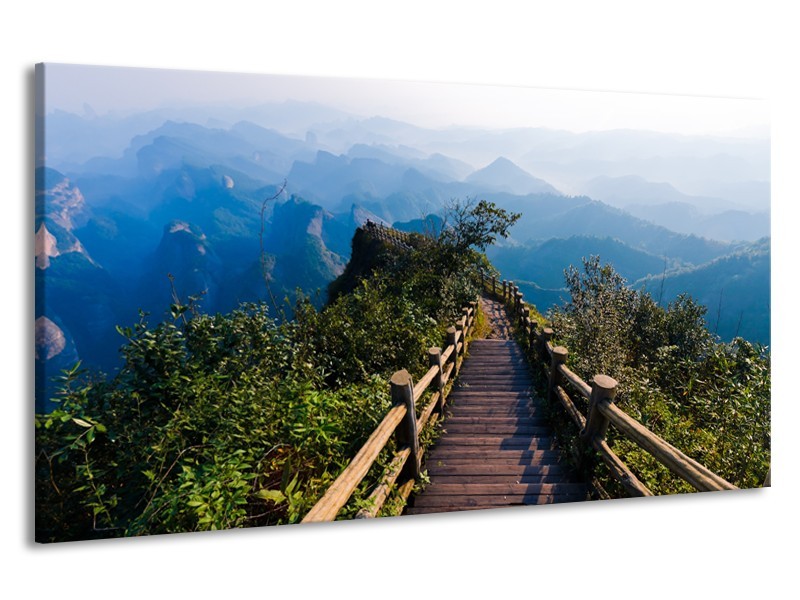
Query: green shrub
207	426
709	399
221	421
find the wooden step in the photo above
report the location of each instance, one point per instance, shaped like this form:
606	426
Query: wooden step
446	504
477	387
476	358
500	429
501	479
500	394
497	448
480	359
479	467
488	440
494	378
503	396
499	384
478	407
462	456
455	501
495	420
497	365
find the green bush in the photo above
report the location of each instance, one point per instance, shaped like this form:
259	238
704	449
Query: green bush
371	330
221	421
207	426
709	399
224	421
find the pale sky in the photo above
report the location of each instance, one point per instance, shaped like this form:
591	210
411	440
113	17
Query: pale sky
434	105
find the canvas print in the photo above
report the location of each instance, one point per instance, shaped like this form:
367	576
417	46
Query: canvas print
266	300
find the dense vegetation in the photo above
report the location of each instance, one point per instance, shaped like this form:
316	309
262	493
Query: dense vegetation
237	420
220	421
708	398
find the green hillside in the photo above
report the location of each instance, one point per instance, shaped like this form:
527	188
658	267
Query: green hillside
735	289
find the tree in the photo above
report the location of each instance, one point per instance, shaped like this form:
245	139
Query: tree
468	225
443	272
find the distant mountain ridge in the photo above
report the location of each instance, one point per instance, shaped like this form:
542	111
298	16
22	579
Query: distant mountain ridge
194	194
544	262
735	288
662	204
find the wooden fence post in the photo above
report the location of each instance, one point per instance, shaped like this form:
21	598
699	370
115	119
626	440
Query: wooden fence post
532	338
505	289
528	330
547	335
451	337
406	434
603	388
559	358
451	341
494	285
473	308
435	360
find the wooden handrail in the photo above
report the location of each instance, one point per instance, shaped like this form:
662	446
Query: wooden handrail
340	490
602	410
620	470
676	461
423	383
381	492
572	410
583	388
405	395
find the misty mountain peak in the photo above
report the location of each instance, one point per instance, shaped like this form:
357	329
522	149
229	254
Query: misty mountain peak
504	175
360	215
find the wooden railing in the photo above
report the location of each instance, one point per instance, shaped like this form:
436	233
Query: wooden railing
401	422
602	411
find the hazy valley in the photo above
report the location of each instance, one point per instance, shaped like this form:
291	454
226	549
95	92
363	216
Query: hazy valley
135	212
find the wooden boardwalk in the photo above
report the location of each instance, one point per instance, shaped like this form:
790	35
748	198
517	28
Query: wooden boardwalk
497	449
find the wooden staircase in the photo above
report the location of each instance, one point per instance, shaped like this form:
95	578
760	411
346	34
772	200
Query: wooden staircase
497	449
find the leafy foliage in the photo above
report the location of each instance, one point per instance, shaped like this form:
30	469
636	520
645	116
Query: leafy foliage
468	225
221	421
444	270
709	399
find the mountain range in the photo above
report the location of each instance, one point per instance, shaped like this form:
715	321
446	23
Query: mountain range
231	205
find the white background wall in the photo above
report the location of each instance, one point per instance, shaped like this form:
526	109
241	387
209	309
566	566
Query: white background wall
719	543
